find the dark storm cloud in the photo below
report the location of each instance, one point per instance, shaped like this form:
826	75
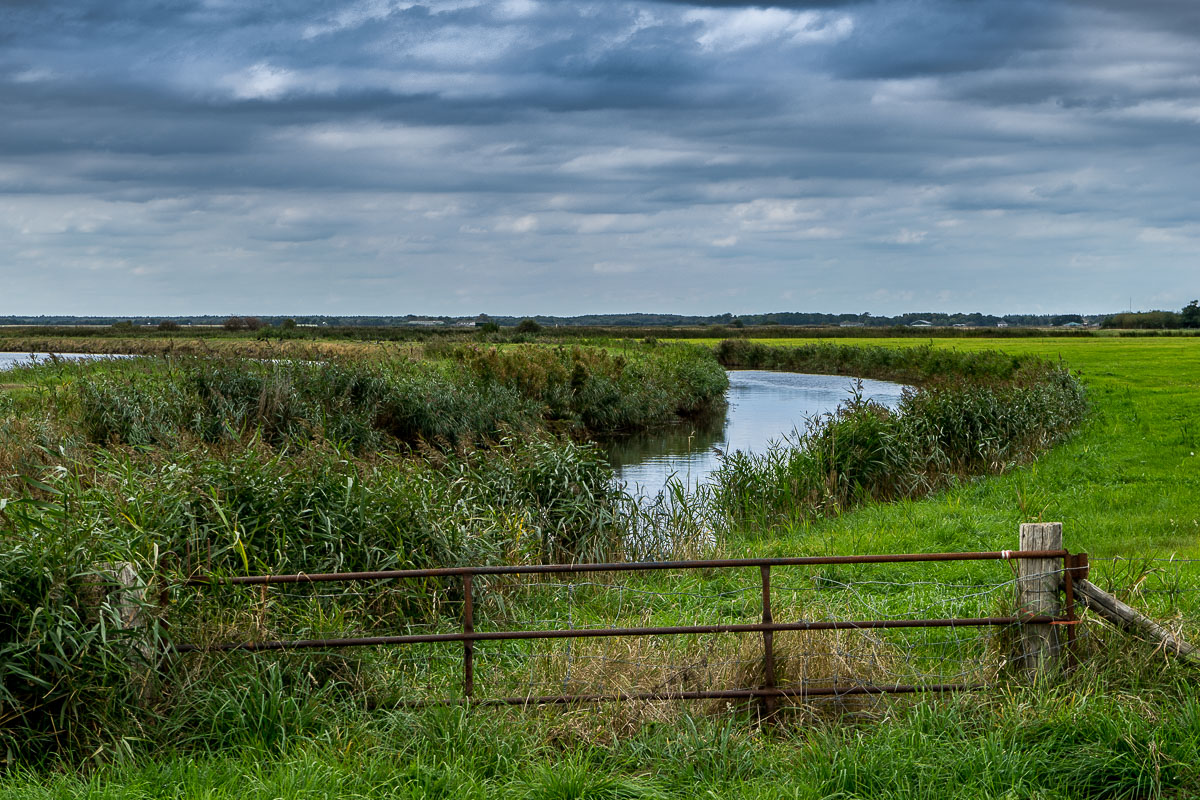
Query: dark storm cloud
457	155
1173	16
939	37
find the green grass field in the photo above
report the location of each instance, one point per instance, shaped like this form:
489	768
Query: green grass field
1127	725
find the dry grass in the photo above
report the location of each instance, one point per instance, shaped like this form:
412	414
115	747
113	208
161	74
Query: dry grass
676	664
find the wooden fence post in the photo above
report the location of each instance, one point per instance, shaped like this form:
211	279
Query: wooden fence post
767	707
1038	582
468	644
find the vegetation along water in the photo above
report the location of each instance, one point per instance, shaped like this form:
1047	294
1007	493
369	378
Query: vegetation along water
463	452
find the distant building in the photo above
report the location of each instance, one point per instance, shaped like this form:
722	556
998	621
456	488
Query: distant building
1001	324
1074	325
921	323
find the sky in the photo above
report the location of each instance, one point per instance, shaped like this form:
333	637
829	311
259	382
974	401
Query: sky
552	157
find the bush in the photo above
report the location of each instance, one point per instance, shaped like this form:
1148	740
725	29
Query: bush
528	326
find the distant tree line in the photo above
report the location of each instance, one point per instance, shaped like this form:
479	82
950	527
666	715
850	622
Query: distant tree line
785	318
1188	317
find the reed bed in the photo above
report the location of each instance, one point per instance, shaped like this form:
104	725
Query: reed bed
457	454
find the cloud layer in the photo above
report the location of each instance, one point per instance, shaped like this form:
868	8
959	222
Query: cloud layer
459	156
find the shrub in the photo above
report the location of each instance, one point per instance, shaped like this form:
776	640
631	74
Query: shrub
528	326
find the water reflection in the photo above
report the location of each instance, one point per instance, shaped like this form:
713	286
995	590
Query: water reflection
763	406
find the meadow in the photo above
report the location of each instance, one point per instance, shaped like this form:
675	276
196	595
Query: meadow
277	485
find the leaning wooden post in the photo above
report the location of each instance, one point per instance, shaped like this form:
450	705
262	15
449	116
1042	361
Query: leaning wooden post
1038	582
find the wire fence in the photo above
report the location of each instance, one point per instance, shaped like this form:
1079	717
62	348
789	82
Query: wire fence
766	630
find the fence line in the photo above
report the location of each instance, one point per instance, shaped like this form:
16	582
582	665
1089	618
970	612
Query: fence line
767	688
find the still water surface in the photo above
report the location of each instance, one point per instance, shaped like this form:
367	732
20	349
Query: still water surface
763	407
9	360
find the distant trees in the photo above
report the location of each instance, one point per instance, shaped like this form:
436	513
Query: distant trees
1190	316
528	325
242	324
168	325
1144	320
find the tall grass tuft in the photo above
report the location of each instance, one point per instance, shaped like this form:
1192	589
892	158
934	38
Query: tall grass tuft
73	662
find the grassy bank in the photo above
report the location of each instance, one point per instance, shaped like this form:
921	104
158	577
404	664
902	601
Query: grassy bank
1046	745
1124	729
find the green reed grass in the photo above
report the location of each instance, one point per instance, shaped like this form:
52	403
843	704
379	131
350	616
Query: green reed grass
918	364
971	414
453	395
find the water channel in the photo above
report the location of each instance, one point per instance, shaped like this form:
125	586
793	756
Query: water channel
763	407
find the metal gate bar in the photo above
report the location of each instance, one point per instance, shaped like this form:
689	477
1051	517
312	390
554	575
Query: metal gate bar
768	692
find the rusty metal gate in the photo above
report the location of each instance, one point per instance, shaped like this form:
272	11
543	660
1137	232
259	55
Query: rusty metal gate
768	691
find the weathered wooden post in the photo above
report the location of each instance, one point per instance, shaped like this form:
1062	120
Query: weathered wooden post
118	584
767	707
1038	583
468	620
